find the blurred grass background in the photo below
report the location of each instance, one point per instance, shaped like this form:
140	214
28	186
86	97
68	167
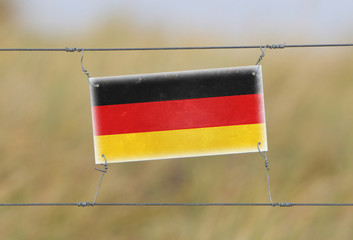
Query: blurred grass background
46	145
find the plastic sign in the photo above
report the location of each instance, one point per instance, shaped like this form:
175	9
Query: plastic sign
178	114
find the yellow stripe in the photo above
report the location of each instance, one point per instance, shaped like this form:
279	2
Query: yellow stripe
180	143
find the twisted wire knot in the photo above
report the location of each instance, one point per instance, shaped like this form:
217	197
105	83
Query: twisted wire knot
283	204
86	72
261	56
267	164
67	49
276	46
84	204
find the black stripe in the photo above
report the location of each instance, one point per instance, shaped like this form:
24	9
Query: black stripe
175	86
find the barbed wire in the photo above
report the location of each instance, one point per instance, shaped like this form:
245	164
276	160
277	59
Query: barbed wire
267	46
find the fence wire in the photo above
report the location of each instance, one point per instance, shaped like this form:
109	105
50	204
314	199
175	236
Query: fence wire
268	46
88	204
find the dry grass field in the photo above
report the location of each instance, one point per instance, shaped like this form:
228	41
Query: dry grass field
46	146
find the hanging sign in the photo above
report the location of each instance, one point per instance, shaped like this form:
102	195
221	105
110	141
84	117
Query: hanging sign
178	114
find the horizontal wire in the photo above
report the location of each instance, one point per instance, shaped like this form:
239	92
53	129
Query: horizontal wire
35	204
270	46
85	204
32	49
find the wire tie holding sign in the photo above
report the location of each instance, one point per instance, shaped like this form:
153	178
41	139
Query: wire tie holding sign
260	59
262	55
104	171
91	204
83	68
263	154
280	204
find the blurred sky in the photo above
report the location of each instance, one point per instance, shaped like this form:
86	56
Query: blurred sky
316	20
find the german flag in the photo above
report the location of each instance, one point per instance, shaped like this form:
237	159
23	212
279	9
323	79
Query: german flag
178	114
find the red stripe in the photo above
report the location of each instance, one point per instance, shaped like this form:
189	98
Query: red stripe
178	114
